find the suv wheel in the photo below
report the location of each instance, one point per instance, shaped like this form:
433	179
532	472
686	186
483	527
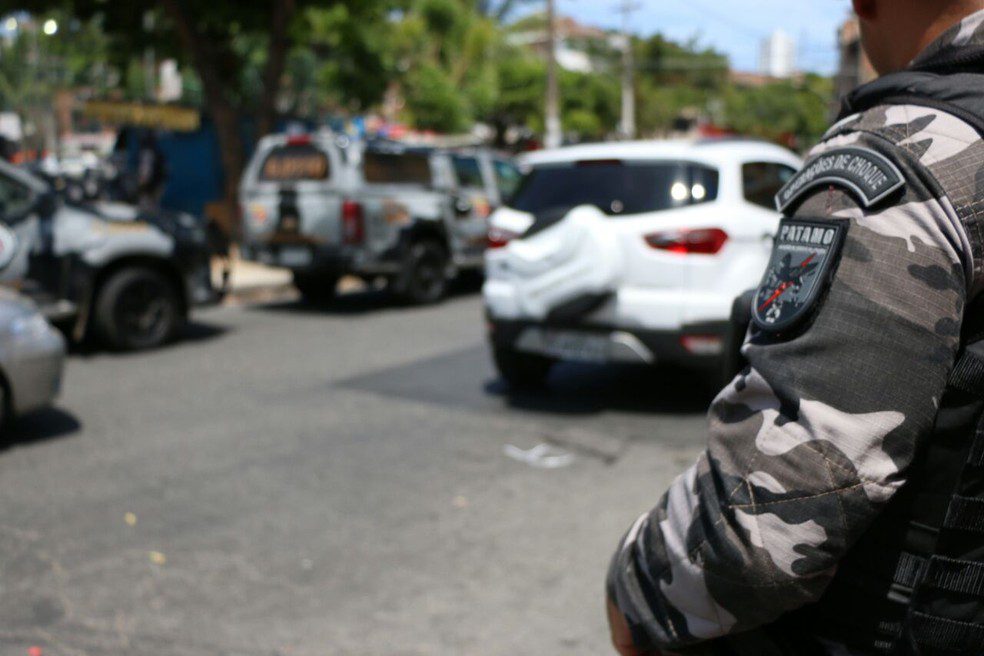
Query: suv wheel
424	278
136	309
315	289
521	370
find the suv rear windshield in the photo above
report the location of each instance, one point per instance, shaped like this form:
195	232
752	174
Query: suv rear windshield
615	187
396	168
294	162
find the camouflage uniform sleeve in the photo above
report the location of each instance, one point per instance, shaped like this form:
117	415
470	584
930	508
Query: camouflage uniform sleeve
810	442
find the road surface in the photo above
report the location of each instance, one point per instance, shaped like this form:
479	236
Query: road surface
287	481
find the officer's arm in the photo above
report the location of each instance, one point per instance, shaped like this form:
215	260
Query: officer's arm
809	443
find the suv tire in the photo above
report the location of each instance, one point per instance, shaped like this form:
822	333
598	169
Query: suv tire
316	289
521	370
136	309
424	277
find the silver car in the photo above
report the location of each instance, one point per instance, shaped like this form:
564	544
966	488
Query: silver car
32	357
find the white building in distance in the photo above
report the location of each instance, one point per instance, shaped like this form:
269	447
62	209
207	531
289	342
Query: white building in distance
777	57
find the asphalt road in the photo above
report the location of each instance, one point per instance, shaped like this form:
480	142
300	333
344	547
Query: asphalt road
295	482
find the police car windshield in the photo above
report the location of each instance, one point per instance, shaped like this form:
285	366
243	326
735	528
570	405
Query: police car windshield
615	187
396	168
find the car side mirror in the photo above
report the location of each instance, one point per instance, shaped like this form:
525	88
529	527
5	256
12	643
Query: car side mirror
8	246
462	206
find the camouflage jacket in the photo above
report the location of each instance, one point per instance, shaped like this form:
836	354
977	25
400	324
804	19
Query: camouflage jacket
811	441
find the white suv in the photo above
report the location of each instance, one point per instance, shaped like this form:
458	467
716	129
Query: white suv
629	252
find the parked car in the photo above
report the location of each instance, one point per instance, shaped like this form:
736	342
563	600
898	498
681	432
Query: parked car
629	252
411	215
108	270
32	357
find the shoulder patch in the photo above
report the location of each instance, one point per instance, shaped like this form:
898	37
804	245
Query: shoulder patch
799	269
869	176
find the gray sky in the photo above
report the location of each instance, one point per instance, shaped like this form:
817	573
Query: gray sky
735	27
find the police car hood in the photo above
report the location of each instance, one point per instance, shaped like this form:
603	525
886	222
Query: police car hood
181	226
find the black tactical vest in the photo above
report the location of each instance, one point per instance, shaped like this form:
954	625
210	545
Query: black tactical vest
914	584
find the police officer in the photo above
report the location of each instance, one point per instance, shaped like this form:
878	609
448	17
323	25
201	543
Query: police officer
838	508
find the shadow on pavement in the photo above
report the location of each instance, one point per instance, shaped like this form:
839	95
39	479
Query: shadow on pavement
580	389
192	332
47	424
364	301
466	380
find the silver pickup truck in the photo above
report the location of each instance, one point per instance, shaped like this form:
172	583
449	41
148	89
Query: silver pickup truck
413	216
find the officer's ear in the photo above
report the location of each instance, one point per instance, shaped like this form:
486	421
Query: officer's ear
866	9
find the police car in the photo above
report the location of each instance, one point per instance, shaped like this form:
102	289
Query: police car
413	216
109	271
629	252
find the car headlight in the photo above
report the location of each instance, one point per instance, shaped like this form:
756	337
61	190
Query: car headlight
29	325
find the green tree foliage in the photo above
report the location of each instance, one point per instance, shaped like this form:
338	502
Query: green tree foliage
786	111
342	58
239	51
445	56
435	102
591	104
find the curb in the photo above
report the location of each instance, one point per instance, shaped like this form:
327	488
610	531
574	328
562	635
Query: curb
257	294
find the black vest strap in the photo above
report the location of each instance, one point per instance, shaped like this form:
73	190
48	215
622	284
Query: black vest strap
940	633
968	373
976	456
909	571
960	94
952	575
965	514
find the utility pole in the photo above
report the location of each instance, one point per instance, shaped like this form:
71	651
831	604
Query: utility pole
149	59
553	137
627	127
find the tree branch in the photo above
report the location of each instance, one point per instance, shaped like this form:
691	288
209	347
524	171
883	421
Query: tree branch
224	115
282	13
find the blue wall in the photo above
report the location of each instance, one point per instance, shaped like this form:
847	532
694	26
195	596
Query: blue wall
194	169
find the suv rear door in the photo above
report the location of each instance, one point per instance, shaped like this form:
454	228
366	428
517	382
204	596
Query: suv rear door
291	196
647	202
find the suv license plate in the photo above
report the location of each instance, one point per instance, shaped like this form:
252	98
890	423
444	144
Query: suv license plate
295	257
570	345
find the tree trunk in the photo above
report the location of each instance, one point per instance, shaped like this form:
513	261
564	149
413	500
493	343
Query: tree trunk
283	12
224	114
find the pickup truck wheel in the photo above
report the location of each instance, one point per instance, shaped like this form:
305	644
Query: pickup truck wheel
136	309
315	289
521	370
424	278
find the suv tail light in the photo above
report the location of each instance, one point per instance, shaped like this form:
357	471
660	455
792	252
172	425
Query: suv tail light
353	223
701	241
301	139
702	344
499	237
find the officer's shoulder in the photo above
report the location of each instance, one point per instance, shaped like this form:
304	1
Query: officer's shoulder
863	171
927	136
873	156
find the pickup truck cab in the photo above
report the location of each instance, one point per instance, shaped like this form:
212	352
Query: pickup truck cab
414	216
126	277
